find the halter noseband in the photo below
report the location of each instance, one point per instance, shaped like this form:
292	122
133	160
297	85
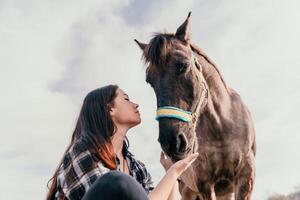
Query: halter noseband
173	112
180	114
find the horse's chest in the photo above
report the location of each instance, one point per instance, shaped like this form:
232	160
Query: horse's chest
213	164
220	161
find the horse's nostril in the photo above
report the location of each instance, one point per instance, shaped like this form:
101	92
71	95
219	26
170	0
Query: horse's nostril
181	143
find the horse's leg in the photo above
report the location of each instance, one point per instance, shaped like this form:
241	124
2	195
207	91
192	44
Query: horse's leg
206	191
186	192
246	179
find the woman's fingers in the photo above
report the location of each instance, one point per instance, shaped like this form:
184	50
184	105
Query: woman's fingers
165	161
163	156
181	165
190	159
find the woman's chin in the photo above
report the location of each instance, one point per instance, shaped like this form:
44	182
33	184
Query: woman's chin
134	123
138	121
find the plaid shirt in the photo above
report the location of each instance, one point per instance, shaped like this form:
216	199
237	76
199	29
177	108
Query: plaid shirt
80	169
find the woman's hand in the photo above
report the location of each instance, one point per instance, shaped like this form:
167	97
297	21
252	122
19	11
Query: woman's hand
165	161
165	186
180	166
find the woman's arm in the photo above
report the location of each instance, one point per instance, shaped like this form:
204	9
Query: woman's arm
163	190
164	187
167	163
174	192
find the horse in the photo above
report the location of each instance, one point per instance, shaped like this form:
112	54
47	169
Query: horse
198	112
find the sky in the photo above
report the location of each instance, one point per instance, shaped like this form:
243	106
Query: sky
53	53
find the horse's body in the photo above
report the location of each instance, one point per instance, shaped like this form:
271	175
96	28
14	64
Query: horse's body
223	133
226	144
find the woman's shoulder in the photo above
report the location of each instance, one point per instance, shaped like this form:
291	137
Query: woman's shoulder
77	151
80	145
81	157
79	169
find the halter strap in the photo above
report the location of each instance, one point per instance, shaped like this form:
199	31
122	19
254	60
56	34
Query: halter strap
173	112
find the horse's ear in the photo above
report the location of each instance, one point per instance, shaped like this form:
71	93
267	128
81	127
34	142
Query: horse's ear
141	45
184	31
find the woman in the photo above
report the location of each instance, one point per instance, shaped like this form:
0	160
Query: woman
99	148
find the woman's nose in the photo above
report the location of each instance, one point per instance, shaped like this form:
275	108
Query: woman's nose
136	105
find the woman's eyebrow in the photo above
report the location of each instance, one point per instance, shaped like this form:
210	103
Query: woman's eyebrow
126	95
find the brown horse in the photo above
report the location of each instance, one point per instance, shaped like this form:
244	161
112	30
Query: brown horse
198	111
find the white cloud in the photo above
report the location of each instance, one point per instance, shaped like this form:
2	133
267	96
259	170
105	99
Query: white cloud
54	52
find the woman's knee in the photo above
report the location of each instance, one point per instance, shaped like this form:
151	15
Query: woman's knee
116	185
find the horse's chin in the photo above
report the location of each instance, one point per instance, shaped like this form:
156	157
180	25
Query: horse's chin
177	157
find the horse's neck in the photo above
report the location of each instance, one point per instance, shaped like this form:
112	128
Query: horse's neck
218	105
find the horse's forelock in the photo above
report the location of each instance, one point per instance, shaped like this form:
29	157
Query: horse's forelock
158	48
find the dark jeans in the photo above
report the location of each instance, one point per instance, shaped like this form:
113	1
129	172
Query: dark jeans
115	185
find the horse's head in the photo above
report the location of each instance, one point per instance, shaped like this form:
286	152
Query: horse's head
175	75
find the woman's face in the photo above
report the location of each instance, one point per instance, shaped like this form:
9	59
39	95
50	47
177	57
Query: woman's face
124	112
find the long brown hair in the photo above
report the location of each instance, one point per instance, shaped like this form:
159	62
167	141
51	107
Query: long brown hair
96	127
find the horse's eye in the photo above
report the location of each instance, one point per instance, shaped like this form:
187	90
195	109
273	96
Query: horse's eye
182	67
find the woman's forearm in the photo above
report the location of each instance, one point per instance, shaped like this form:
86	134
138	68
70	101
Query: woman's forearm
174	192
163	190
167	184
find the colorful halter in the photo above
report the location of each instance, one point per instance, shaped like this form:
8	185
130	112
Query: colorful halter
173	112
183	115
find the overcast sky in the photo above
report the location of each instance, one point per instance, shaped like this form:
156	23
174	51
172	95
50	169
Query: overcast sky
53	52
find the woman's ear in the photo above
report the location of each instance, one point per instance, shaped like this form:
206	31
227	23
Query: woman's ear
111	110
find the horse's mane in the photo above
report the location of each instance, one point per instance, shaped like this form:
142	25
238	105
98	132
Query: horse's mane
200	52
